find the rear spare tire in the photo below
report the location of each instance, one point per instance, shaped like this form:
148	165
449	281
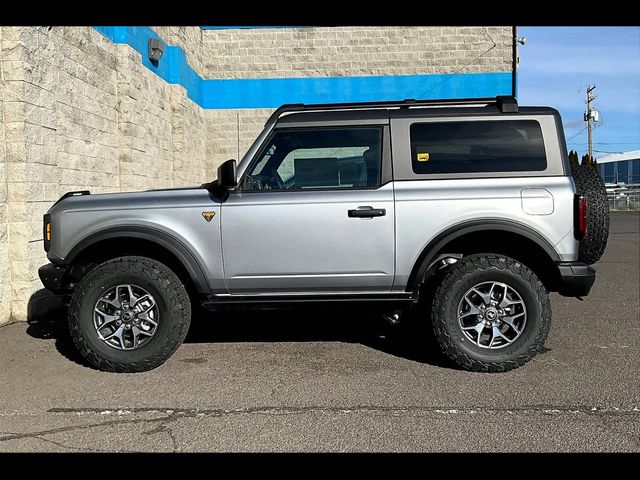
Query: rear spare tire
590	185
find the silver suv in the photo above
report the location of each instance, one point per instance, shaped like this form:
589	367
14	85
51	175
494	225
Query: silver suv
468	207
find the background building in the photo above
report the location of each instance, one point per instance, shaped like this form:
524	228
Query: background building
617	168
621	175
85	108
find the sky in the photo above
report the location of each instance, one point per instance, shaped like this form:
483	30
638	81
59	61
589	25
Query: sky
556	65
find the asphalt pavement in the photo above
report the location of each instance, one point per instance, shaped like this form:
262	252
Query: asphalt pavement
337	381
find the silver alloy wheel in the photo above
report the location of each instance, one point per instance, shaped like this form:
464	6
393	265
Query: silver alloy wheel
126	317
492	315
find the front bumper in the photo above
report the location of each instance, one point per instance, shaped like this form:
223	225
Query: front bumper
576	279
53	278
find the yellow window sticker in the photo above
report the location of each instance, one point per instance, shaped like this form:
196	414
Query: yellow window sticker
423	157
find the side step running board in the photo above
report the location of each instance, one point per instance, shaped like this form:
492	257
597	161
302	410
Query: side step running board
212	301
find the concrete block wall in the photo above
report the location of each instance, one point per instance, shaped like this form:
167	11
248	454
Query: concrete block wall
5	276
231	133
189	130
78	111
60	134
355	51
145	152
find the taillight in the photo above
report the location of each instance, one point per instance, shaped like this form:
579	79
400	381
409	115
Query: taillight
581	209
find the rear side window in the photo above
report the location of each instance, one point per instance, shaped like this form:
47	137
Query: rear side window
477	146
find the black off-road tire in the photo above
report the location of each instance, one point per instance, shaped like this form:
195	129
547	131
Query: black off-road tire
173	304
462	276
590	184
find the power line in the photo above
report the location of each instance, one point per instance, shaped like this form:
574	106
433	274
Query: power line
578	133
610	143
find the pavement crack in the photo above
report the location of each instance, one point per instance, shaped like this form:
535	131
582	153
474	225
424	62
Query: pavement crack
162	428
107	423
67	447
170	415
174	441
174	413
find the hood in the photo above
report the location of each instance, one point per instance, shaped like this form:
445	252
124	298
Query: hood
84	200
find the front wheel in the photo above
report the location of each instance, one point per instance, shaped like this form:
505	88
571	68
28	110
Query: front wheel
129	314
490	313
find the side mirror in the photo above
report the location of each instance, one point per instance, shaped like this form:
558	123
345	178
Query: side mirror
227	174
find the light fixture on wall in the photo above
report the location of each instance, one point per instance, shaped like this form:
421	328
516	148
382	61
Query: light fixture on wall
156	48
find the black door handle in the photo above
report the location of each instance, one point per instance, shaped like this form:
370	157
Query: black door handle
367	212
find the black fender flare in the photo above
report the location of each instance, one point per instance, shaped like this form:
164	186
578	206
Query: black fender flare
429	252
154	235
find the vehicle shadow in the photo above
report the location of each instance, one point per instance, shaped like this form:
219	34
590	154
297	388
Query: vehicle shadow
410	339
46	320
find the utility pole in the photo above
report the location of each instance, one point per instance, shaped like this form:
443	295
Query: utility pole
589	116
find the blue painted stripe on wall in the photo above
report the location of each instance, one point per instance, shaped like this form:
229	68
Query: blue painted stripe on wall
273	92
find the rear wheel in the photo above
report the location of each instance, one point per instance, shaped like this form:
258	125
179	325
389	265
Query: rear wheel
490	313
129	314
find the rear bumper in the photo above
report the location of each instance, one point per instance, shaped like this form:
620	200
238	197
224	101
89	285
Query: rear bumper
52	277
576	279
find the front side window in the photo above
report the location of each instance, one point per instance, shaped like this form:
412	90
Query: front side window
308	159
477	146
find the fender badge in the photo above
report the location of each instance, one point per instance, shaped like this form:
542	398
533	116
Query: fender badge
208	215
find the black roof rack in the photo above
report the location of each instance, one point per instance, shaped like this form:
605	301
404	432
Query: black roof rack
504	103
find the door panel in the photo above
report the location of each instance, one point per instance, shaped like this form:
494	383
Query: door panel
306	241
